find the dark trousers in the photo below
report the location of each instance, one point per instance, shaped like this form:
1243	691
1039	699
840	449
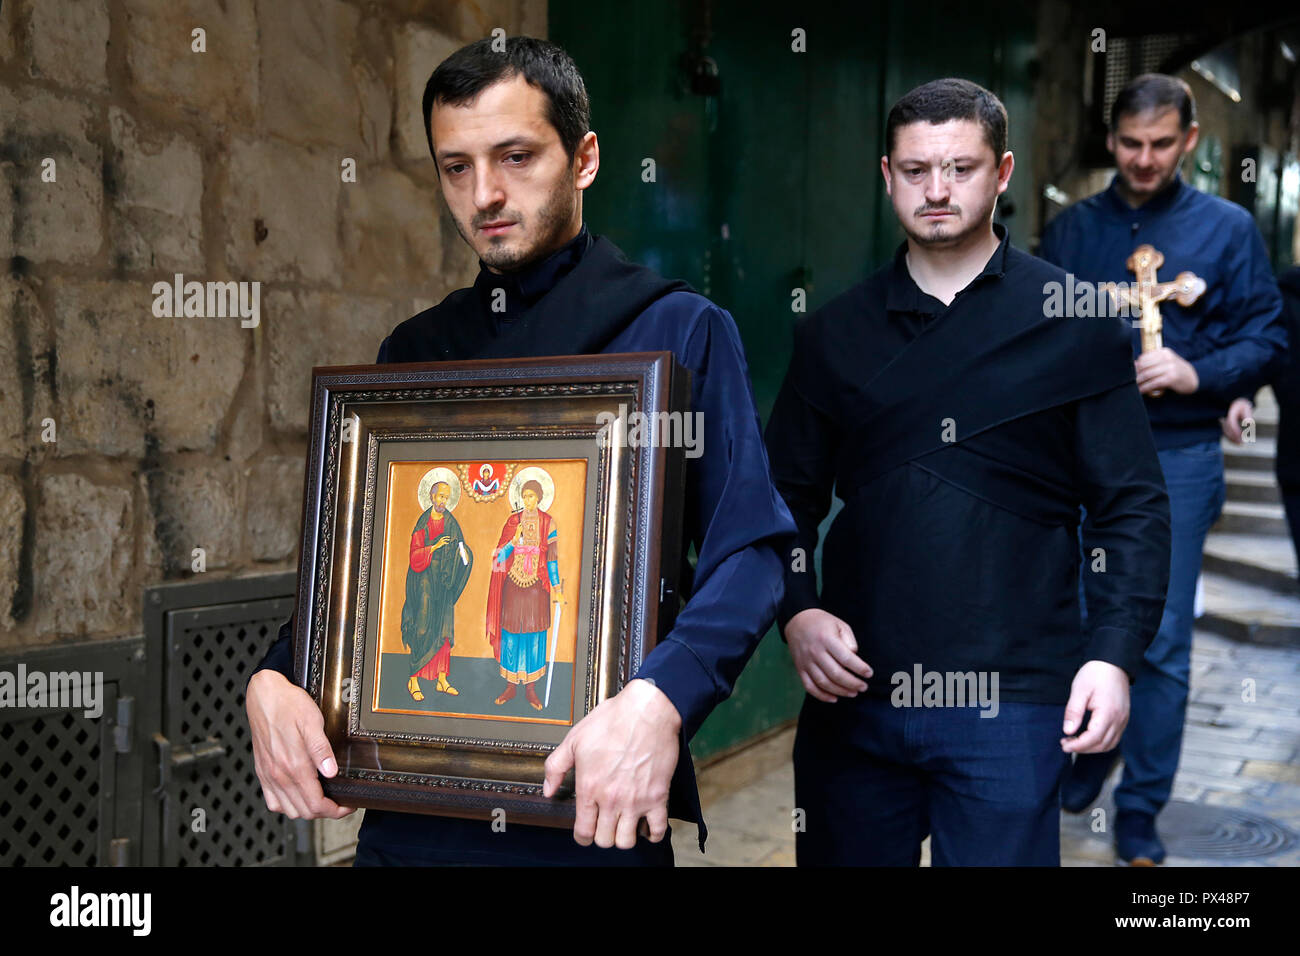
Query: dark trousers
873	780
1291	501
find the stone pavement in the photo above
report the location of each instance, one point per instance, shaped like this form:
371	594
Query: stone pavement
1236	799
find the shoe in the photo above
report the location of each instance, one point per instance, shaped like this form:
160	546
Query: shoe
1086	778
1136	842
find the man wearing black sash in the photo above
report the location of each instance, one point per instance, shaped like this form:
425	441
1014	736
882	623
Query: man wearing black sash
947	671
510	134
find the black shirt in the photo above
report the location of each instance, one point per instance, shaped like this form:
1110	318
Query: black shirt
522	290
927	569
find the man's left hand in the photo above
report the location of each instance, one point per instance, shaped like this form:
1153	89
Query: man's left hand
1165	369
1103	689
624	752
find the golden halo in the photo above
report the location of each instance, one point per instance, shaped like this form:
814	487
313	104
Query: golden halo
431	477
539	475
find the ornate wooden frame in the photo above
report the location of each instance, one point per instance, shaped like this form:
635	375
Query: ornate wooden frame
632	590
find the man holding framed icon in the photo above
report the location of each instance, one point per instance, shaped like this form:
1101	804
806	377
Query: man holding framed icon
509	132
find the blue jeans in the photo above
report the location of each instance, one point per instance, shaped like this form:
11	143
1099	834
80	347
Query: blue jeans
873	780
1158	699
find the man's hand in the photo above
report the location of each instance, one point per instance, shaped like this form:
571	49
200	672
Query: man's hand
625	752
1165	369
289	746
1238	412
1103	689
826	655
440	543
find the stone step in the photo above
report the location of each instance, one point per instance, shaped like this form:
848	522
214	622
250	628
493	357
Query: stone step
1250	456
1264	560
1266	409
1246	485
1249	612
1252	517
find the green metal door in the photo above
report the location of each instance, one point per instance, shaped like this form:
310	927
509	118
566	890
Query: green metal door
766	173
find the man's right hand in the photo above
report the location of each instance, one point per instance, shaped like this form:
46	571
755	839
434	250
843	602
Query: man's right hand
1238	413
825	654
289	746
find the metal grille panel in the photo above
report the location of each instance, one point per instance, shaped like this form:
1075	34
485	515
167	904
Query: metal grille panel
1127	57
51	768
212	651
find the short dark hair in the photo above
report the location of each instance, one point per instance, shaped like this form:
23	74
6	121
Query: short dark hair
1154	91
471	69
950	99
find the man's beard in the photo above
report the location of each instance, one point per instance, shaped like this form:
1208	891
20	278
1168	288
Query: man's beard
940	234
550	222
439	508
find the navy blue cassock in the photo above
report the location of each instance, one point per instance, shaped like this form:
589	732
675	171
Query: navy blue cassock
587	298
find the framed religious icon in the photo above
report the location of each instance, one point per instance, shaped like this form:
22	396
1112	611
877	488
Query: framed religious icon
489	550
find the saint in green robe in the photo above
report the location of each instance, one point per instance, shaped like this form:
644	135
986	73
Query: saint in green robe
434	582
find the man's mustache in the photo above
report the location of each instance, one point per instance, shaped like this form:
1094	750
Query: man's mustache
481	219
927	208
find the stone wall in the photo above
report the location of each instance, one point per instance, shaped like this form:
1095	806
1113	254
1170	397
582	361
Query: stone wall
128	155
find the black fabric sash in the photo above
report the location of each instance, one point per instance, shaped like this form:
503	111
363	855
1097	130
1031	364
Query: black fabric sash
581	315
1030	495
994	369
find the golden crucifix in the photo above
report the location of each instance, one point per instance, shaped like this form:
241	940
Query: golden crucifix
1145	299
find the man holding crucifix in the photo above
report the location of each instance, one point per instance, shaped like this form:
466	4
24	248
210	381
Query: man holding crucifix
1213	348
